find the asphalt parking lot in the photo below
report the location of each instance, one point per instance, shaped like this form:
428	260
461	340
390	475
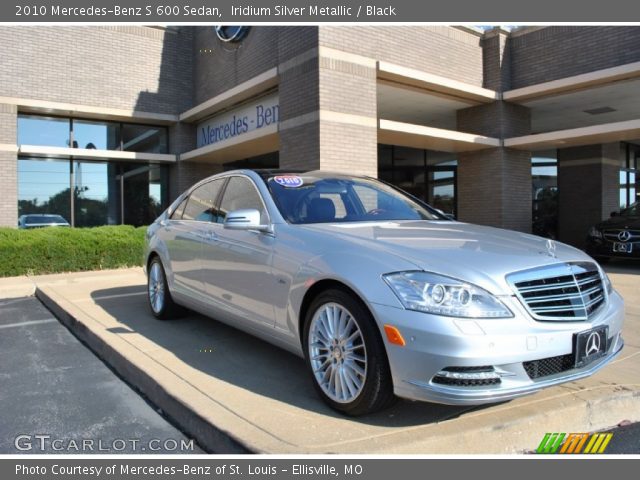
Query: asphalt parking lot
56	396
235	393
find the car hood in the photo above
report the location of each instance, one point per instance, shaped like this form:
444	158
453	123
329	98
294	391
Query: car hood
620	222
473	253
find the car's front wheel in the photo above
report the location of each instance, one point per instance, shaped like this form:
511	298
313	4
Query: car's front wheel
345	354
160	301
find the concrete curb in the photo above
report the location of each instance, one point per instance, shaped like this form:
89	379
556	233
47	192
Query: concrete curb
208	436
16	287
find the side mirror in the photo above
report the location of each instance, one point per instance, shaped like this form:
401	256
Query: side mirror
614	213
245	219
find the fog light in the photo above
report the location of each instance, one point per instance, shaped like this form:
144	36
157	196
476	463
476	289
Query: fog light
467	376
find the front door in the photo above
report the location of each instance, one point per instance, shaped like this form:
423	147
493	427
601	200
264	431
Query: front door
237	264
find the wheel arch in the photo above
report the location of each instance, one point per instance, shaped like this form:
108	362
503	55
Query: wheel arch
150	256
316	289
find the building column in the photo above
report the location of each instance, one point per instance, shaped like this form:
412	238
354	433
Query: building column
183	174
8	165
494	185
588	188
334	125
299	122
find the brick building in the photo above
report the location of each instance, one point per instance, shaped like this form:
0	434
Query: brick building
536	129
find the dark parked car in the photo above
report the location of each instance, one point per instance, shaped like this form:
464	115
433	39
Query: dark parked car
619	236
39	220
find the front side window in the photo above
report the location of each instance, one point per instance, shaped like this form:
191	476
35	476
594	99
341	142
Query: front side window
201	206
240	194
319	199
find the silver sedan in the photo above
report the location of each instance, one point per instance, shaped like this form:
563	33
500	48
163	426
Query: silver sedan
382	295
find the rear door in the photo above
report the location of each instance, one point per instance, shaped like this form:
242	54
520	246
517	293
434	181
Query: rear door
188	232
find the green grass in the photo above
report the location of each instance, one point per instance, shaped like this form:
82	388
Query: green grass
59	249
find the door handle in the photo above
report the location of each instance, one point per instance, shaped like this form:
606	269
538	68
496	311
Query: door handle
207	235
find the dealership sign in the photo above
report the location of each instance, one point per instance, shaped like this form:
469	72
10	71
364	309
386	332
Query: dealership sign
251	116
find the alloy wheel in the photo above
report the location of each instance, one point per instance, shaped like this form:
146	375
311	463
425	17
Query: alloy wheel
337	353
156	287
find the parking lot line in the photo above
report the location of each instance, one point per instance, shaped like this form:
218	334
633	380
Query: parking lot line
32	322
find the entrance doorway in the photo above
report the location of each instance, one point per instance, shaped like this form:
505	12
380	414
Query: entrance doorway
142	192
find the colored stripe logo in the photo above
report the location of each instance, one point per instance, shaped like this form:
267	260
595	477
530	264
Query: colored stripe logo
574	443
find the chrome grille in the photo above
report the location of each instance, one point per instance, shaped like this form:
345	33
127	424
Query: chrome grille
564	292
612	235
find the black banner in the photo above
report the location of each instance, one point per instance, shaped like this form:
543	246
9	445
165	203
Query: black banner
302	468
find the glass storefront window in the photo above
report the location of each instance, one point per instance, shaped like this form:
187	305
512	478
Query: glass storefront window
426	174
144	193
43	187
91	134
544	178
91	190
43	131
95	135
629	178
89	194
142	138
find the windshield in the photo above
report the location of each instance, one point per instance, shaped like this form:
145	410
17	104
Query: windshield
632	210
309	198
31	219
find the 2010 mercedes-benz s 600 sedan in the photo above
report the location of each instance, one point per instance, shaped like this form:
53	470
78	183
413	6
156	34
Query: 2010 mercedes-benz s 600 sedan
381	294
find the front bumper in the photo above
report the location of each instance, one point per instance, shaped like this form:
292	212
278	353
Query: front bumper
604	248
434	343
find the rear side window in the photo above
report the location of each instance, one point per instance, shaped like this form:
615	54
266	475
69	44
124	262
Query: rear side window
239	194
201	206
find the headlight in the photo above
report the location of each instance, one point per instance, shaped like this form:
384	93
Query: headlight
431	293
595	233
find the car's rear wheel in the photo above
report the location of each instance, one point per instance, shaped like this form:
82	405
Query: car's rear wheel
160	301
345	354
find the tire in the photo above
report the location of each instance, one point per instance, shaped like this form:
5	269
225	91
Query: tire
362	379
158	295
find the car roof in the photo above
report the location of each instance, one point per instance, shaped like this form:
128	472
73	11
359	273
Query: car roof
266	173
42	215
